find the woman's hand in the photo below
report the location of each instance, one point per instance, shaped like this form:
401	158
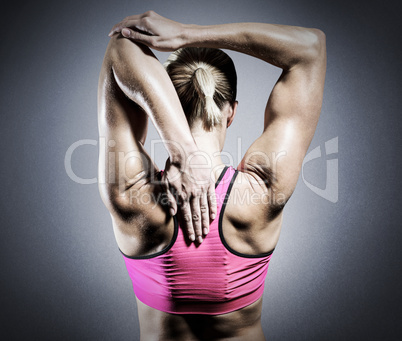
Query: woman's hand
153	30
191	190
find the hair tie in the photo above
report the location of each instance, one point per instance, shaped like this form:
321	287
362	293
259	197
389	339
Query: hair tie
199	68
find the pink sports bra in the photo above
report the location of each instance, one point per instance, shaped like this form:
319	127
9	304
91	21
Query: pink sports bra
208	278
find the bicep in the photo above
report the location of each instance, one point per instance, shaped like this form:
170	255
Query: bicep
291	118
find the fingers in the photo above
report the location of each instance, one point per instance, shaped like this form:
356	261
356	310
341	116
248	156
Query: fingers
171	200
135	23
121	25
132	21
195	214
137	36
195	202
196	218
187	220
212	202
172	203
200	216
204	213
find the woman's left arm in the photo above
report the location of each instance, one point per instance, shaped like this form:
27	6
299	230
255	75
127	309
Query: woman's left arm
132	86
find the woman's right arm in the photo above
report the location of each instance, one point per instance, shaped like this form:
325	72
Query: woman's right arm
274	160
132	86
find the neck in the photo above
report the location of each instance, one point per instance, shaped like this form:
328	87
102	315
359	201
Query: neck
210	144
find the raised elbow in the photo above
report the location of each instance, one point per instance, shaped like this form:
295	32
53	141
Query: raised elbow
316	44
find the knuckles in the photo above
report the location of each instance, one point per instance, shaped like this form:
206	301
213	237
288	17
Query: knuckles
146	21
183	196
149	13
153	41
187	218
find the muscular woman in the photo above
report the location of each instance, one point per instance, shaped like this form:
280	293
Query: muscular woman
197	237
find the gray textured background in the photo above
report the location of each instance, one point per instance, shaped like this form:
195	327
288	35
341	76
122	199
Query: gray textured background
336	272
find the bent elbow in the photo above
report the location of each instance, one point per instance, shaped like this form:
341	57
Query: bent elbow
320	40
317	44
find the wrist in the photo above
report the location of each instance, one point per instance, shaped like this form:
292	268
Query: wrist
192	34
179	152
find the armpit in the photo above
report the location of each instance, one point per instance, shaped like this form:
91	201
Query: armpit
264	176
264	173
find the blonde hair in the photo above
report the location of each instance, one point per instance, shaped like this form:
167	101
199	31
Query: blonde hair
205	80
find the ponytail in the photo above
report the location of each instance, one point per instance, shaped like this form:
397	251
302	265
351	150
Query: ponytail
204	84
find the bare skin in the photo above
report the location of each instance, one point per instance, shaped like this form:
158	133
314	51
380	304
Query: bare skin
134	86
239	325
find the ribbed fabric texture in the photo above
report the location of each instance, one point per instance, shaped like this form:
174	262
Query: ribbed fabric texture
207	278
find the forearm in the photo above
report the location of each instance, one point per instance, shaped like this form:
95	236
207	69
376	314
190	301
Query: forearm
280	45
143	79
